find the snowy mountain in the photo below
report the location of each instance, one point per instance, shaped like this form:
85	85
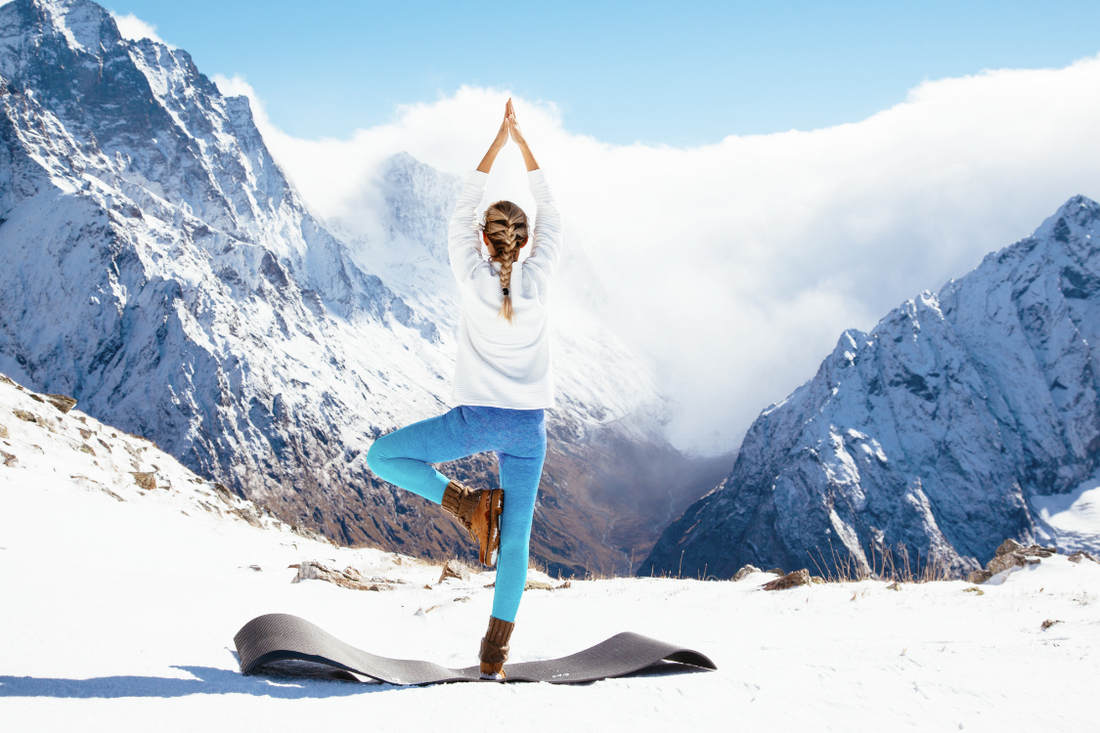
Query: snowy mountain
158	266
961	419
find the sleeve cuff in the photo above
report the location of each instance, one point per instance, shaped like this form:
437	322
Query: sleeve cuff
536	177
476	176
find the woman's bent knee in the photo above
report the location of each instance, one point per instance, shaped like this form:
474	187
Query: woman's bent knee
378	455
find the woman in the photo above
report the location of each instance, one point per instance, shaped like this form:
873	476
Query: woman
503	382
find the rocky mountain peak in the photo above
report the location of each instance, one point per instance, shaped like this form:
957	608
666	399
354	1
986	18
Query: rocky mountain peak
81	25
932	436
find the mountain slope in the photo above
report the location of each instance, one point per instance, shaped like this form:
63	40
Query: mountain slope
935	435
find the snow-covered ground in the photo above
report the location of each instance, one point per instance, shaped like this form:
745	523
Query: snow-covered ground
1072	520
119	605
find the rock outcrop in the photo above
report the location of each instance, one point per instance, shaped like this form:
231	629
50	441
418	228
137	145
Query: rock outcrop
1011	554
790	580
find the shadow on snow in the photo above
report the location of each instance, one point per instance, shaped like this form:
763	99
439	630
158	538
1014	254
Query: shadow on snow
290	682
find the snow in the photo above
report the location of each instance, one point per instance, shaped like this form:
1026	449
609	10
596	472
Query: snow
119	615
1072	521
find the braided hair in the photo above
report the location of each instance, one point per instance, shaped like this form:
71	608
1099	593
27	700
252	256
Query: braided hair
506	230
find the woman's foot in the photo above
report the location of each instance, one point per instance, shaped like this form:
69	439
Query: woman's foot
478	510
494	648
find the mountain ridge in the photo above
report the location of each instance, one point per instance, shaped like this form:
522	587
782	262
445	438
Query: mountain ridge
930	436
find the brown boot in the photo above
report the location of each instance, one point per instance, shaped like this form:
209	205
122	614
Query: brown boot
479	512
494	649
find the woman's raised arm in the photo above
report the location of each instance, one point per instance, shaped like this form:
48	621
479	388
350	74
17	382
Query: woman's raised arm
499	142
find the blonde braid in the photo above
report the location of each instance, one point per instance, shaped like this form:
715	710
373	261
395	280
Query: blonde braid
506	229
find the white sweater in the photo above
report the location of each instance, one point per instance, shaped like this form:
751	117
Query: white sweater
503	364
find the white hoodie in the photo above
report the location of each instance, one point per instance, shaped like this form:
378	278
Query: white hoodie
502	364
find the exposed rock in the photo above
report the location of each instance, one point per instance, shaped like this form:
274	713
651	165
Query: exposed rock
85	448
975	590
979	576
147	480
61	402
84	433
9	459
349	577
790	580
1010	554
1009	545
3	432
5	380
896	585
745	572
777	571
454	569
25	416
1048	623
248	512
1081	555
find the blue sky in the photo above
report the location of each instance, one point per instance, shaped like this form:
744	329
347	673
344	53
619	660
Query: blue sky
683	73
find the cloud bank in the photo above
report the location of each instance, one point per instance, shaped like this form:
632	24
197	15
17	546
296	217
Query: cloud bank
737	265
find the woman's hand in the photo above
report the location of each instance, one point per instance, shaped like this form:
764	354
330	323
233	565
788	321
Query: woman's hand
513	125
502	134
517	136
499	142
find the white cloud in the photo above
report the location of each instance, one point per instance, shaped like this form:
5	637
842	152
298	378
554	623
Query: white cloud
738	264
134	28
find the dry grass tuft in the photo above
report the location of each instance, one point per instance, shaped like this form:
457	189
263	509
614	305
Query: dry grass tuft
842	567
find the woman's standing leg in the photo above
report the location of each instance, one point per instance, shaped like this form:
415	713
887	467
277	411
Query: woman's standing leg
519	477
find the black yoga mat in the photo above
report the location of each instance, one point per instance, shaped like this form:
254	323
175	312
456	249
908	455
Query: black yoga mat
280	636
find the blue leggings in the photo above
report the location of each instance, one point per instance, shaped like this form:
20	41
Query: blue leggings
519	439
